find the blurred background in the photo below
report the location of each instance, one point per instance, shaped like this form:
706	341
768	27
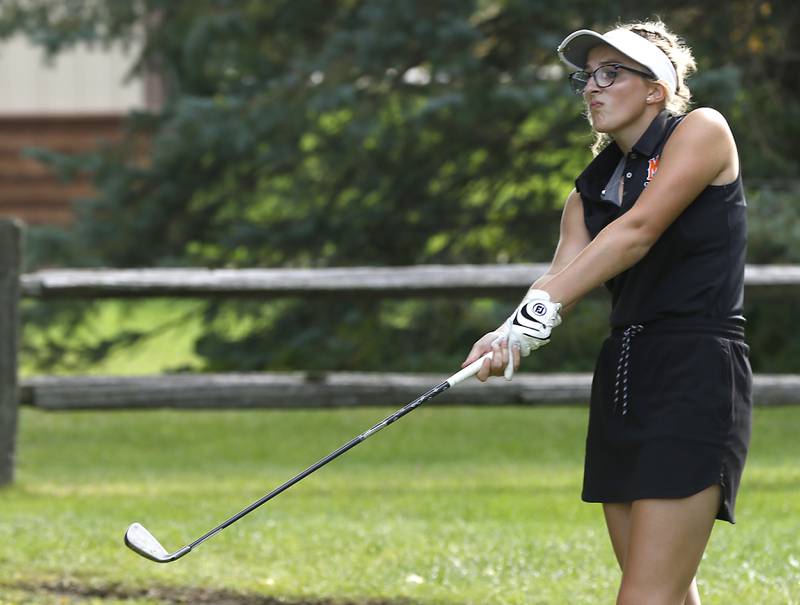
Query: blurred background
222	133
349	133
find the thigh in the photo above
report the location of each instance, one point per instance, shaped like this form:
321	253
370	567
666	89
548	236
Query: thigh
666	541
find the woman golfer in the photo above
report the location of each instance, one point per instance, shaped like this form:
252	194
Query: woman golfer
658	217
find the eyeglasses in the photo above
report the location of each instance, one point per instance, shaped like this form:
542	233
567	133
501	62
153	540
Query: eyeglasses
604	76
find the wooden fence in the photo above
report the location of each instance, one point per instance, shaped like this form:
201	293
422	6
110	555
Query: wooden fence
298	389
10	268
424	280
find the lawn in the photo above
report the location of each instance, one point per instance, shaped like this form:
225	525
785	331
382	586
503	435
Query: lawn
451	505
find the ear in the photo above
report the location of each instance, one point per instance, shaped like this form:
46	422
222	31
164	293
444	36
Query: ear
656	94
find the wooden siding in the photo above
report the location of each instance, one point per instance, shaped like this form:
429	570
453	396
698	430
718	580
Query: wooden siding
29	190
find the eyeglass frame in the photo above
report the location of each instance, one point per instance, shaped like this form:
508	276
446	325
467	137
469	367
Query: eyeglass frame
592	75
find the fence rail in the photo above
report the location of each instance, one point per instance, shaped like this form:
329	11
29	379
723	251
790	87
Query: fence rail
421	280
327	390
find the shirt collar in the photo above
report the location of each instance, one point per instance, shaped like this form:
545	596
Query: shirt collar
601	167
654	134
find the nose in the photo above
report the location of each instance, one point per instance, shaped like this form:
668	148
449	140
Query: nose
591	86
590	91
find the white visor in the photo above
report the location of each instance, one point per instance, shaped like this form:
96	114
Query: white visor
575	49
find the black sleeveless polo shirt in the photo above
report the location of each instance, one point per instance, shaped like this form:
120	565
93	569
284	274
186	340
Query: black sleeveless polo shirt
696	268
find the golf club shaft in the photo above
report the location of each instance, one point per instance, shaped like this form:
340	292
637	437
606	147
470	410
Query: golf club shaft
470	370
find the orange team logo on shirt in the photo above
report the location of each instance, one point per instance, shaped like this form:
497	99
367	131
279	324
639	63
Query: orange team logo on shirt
652	167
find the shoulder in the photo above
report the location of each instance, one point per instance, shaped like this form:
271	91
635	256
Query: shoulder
705	135
573	204
573	198
705	122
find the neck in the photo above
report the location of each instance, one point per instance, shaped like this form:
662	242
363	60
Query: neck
627	136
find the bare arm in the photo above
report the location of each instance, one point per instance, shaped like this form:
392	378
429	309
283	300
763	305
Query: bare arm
573	238
700	150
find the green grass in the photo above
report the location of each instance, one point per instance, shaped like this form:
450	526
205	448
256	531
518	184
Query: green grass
449	506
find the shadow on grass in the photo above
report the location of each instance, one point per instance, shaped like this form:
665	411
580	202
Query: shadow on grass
164	595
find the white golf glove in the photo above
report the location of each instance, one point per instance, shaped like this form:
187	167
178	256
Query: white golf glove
529	326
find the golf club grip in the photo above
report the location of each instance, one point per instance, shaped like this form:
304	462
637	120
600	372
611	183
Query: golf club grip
469	371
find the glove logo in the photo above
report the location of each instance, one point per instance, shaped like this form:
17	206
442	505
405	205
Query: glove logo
525	316
539	309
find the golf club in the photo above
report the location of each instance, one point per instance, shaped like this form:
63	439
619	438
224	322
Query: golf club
142	542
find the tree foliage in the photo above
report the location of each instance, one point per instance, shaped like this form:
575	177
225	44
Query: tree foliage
374	132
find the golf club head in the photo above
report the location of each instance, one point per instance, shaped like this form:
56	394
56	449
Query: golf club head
143	543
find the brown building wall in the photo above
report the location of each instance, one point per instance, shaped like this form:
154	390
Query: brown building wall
28	189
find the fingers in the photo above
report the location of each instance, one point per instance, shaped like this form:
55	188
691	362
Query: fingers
500	358
508	373
480	348
488	367
494	367
474	353
505	359
513	362
485	371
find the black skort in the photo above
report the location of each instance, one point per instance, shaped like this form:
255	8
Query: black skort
670	413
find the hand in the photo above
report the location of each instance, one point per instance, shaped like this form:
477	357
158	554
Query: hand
501	358
529	327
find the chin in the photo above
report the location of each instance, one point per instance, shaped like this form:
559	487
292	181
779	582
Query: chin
598	125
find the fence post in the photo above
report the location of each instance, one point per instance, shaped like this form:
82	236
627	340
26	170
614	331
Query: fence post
10	270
